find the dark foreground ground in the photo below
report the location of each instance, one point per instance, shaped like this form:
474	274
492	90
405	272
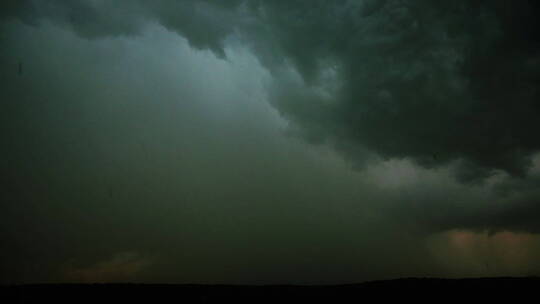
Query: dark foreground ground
515	290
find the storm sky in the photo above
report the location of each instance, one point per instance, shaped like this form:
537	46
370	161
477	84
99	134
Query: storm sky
264	142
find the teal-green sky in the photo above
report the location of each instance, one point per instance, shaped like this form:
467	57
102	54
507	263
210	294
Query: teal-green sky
264	142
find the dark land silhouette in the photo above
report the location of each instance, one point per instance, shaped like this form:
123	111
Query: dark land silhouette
516	290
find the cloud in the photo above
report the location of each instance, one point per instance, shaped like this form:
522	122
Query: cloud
121	267
433	201
435	83
429	82
482	254
161	124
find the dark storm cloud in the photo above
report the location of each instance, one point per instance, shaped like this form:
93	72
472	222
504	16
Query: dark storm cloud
433	82
204	23
144	145
428	81
433	202
117	128
453	83
436	212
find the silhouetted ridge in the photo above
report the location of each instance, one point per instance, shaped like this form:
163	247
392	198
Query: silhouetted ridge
417	289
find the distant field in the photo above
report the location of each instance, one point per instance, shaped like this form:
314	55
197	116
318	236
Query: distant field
418	290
